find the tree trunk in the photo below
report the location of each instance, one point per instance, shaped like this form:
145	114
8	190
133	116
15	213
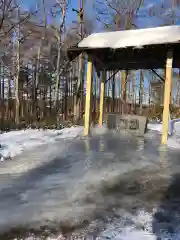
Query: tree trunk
17	120
36	80
78	90
141	90
58	73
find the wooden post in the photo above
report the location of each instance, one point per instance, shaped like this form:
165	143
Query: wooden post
88	96
167	96
102	98
124	84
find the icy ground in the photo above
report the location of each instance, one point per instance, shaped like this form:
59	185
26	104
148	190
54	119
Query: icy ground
15	142
110	186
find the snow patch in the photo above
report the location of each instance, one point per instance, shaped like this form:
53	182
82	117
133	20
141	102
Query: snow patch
137	227
155	127
15	142
173	141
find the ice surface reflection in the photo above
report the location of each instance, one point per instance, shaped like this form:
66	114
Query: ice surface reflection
108	185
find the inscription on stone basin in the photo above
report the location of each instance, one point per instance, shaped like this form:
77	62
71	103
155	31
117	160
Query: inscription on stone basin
133	123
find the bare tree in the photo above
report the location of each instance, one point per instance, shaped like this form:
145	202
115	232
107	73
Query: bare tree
61	6
17	67
118	14
165	12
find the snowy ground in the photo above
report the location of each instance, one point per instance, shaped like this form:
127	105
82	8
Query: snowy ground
114	185
15	142
173	141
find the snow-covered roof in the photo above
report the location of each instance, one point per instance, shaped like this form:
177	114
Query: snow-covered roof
132	38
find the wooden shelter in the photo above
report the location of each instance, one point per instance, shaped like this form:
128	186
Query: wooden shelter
151	48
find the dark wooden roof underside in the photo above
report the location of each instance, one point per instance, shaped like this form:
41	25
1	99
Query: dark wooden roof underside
147	57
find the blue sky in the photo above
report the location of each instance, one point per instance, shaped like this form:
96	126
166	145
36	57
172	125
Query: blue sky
142	21
71	16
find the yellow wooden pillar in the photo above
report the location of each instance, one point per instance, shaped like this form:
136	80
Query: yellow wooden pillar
102	98
167	96
88	96
124	84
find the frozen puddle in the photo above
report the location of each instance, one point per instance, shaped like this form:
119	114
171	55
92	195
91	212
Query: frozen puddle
106	186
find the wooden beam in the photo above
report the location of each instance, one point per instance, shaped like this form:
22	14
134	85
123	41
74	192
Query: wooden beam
109	78
88	96
161	78
167	96
148	57
103	76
